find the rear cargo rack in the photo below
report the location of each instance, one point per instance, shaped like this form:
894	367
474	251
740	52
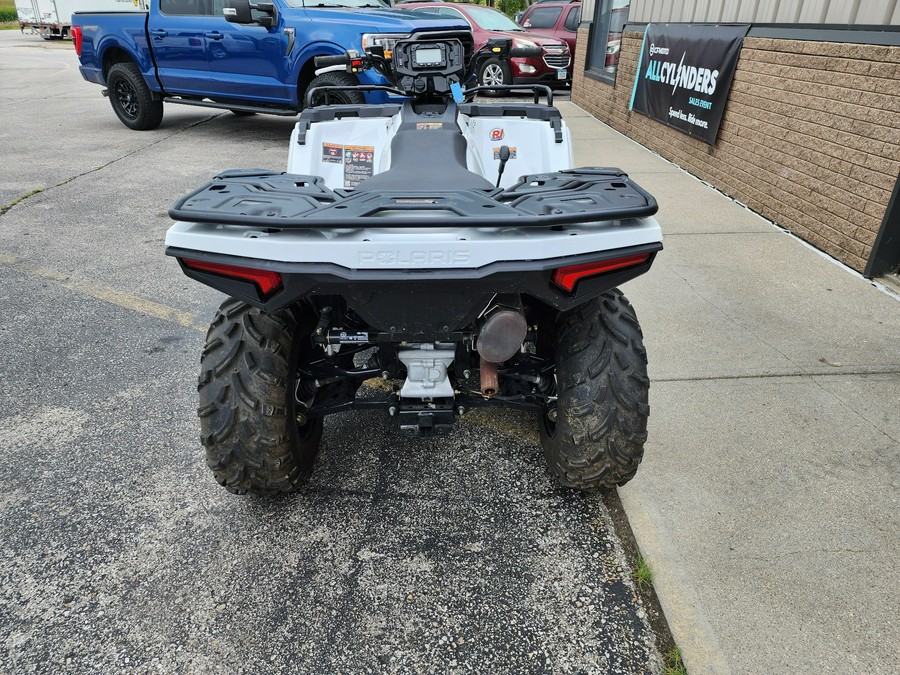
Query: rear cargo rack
268	199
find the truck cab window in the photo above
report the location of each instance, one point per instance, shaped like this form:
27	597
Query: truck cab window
183	7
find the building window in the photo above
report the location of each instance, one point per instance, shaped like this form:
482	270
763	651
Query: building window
610	17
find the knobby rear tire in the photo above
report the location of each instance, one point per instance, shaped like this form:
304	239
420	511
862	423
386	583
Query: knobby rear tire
597	439
247	411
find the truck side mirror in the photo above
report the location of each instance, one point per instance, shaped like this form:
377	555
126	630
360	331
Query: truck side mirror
237	11
267	8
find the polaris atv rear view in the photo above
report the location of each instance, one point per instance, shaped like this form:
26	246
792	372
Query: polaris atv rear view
398	248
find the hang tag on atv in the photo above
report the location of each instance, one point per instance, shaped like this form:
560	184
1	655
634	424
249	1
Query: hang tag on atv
457	92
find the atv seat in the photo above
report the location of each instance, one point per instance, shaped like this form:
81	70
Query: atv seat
426	159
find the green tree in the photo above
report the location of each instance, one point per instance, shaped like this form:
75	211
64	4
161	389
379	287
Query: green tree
510	7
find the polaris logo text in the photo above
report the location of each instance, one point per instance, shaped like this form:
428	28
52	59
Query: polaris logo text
402	258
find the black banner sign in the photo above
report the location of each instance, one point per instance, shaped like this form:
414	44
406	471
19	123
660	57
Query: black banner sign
684	74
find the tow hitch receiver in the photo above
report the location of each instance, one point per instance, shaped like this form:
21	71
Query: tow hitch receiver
425	419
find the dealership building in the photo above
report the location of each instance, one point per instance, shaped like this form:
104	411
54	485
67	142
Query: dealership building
808	127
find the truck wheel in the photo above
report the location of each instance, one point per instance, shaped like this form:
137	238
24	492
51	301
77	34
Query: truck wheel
248	415
131	98
596	438
336	79
492	73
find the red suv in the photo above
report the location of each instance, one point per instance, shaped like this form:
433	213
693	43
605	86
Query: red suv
557	19
551	67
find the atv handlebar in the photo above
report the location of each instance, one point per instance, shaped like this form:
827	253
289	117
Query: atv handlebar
430	66
337	60
525	52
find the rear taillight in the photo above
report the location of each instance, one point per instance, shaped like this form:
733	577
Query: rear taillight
266	281
567	277
76	39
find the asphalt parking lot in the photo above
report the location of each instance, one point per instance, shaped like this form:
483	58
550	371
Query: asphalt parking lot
121	553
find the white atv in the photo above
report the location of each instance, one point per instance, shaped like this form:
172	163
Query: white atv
396	247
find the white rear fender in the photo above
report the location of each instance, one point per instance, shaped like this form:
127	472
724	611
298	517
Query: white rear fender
532	145
347	150
414	247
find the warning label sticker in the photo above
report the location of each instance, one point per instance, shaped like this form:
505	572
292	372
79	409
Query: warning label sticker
333	153
429	126
359	164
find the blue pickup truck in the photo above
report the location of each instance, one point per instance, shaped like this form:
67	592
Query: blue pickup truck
233	54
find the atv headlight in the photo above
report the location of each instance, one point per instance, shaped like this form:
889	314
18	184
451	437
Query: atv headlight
384	40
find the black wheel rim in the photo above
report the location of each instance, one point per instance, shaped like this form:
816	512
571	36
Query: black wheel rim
302	399
551	411
330	99
304	392
126	97
548	425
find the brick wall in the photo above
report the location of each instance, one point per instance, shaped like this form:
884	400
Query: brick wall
810	137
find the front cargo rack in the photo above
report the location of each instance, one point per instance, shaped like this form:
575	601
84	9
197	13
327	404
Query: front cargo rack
261	198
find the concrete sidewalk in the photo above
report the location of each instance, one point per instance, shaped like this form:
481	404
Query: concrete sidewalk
767	504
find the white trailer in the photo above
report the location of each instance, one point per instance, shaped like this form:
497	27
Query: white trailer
53	18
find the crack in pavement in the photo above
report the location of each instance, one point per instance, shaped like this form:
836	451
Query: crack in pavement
717	233
7	207
846	403
808	552
732	319
814	377
887	370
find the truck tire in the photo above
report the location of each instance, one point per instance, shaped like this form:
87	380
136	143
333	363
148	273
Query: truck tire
600	427
336	79
248	416
131	98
